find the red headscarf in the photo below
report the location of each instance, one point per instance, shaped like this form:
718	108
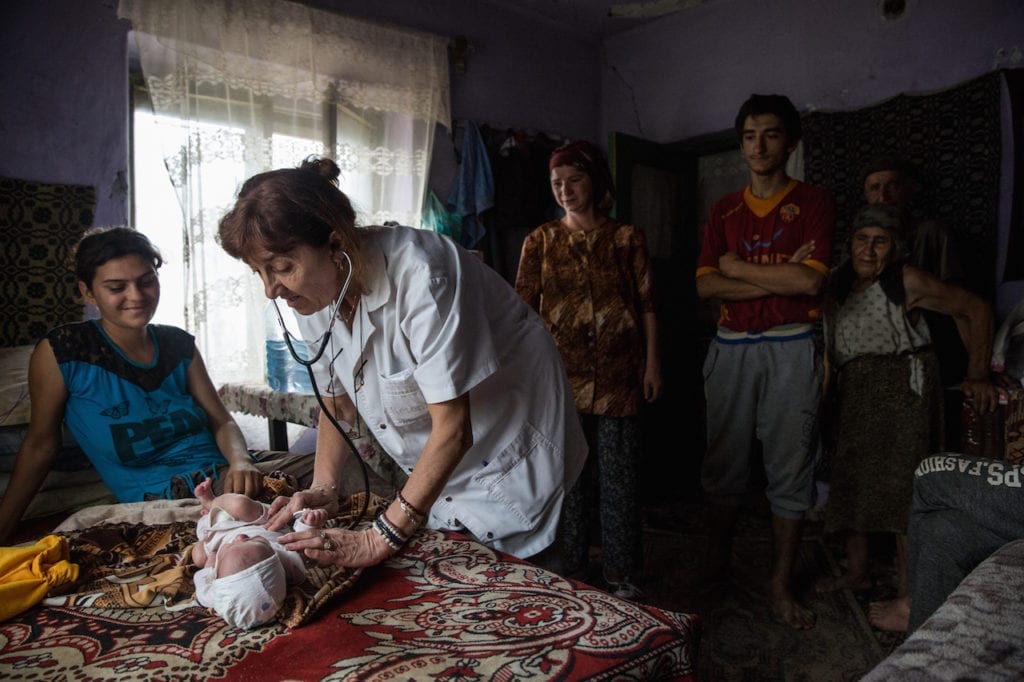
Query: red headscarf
589	159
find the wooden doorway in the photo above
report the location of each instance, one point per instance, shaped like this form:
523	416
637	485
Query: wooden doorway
654	191
666	190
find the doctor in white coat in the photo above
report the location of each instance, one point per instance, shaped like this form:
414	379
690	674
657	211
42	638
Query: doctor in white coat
456	376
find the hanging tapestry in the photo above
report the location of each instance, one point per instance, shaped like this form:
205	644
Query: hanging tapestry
40	223
951	137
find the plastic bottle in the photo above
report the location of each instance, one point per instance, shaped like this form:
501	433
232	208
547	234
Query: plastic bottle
283	372
298	377
277	350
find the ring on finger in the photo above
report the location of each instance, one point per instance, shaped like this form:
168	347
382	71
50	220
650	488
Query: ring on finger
328	546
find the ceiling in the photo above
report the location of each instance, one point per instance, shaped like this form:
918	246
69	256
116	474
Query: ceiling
598	18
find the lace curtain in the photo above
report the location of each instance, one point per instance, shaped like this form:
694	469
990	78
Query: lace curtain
242	87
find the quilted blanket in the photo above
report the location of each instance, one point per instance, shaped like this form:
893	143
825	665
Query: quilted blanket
445	608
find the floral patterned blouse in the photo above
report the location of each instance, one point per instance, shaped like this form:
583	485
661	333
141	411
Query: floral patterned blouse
592	290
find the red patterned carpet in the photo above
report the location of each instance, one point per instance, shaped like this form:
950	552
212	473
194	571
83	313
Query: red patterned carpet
446	608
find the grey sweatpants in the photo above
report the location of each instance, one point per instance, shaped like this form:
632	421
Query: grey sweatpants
769	390
964	509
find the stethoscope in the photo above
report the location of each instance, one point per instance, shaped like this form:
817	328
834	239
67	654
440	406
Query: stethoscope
308	364
325	339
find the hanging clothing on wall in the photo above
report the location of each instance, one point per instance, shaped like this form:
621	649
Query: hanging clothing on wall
438	218
473	192
522	192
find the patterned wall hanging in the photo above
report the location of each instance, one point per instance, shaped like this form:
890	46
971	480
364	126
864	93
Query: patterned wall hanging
952	138
40	224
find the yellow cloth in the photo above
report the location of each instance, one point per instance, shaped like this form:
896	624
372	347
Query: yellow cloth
28	573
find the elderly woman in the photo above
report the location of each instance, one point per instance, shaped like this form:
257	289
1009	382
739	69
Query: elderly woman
458	379
888	402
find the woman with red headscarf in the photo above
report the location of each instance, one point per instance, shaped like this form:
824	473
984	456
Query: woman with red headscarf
589	278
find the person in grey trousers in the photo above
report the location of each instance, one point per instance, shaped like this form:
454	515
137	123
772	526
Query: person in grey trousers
964	509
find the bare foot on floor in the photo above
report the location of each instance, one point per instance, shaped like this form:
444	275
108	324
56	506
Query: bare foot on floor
789	612
890	616
845	581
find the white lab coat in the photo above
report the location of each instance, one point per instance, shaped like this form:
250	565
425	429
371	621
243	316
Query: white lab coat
435	323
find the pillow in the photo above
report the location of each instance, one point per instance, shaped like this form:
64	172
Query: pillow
14	403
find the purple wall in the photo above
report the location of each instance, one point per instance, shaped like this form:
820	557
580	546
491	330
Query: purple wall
64	110
688	73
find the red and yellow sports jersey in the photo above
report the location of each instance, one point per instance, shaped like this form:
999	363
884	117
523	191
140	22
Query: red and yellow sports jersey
769	231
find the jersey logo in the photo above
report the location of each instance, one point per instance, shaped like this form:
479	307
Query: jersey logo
117	411
789	212
150	438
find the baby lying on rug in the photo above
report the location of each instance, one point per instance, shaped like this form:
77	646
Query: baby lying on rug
245	571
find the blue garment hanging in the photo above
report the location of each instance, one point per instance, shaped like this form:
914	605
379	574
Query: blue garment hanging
473	192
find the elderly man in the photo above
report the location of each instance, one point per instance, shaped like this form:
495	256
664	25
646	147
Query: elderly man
892	181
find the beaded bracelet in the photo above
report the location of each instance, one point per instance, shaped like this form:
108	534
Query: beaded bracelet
389	539
414	514
403	537
394	538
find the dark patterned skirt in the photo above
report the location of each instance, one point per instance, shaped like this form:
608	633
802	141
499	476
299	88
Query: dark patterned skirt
884	428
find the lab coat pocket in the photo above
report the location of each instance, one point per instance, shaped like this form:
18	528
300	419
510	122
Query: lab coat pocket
403	402
524	478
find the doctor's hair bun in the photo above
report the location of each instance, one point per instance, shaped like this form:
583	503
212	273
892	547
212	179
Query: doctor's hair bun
324	167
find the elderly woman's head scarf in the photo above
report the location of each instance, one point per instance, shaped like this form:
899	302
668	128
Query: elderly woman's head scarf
894	221
589	159
889	218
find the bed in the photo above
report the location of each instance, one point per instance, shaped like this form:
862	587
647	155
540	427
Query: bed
977	633
444	608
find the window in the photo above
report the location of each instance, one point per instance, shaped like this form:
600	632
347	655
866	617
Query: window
275	82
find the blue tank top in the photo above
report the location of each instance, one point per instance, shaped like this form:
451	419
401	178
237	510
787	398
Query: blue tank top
138	424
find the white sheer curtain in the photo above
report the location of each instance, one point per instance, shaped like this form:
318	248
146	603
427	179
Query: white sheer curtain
242	87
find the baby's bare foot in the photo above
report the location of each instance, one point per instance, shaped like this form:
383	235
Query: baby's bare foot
204	492
314	517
